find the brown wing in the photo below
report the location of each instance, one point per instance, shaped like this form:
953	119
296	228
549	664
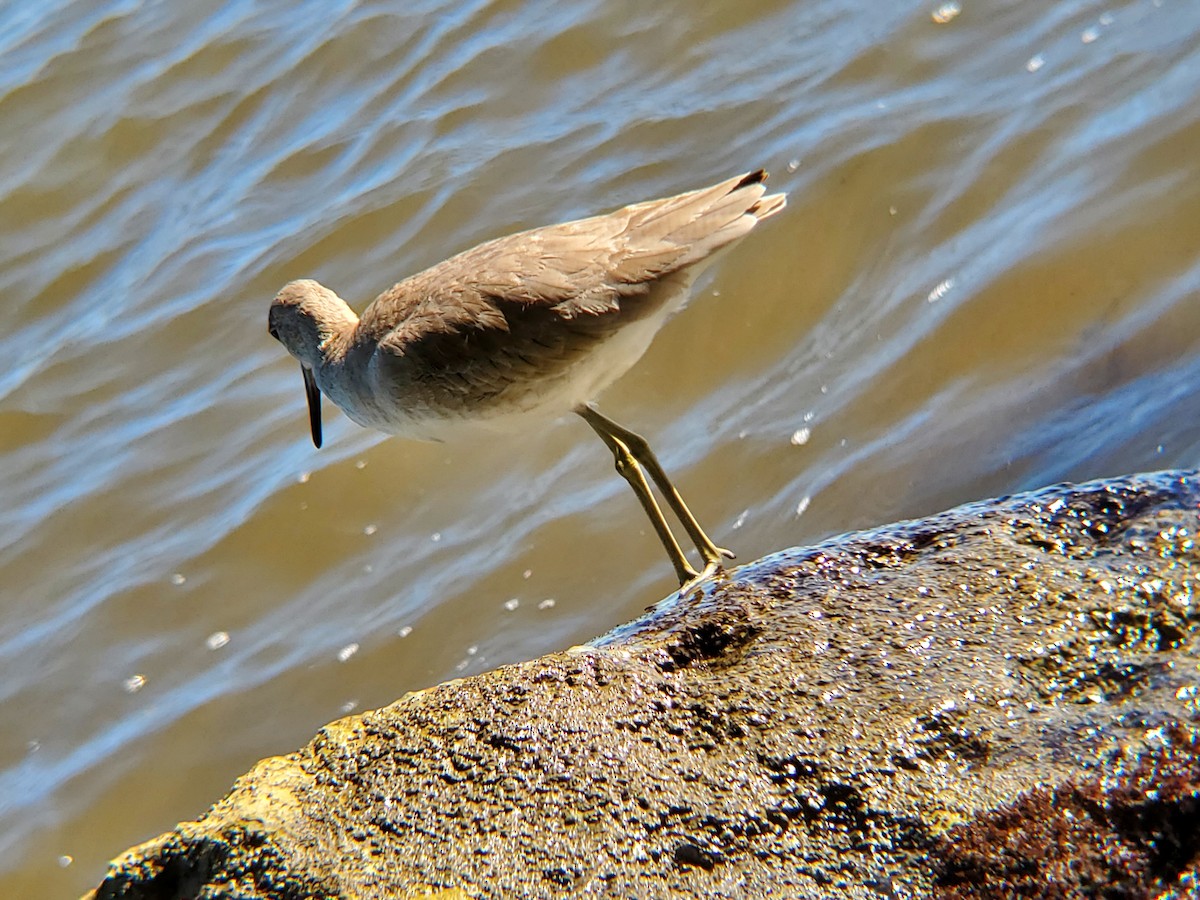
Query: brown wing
535	301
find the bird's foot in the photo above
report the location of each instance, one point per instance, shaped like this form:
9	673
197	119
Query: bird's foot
711	570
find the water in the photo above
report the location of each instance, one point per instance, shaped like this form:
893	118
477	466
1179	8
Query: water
987	279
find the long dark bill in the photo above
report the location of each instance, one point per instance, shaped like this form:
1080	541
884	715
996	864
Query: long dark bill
313	393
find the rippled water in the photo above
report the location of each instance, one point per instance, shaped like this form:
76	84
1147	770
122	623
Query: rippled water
987	279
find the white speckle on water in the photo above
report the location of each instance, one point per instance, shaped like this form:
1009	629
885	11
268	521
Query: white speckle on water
800	436
370	530
940	291
512	604
360	464
527	574
65	860
134	683
346	652
793	165
802	505
472	650
1035	62
436	536
217	640
178	578
548	603
350	706
405	631
741	519
1106	19
1090	34
947	12
303	477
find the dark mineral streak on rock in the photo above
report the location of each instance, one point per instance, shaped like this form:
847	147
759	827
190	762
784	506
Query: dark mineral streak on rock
1001	696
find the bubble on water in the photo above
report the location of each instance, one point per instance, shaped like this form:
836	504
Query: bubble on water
217	640
940	291
947	12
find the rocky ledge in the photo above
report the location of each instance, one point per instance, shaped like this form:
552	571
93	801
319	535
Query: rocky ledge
1002	700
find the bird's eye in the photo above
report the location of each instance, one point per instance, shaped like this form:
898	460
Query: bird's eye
273	332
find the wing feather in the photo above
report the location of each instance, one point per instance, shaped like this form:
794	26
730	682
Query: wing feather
534	302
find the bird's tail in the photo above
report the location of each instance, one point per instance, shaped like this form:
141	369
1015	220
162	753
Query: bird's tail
706	220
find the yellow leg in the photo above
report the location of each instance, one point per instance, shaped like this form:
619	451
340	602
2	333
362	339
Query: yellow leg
628	468
631	448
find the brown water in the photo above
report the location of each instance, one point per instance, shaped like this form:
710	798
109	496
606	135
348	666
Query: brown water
987	279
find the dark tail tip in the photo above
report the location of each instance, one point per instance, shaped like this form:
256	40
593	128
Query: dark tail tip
758	176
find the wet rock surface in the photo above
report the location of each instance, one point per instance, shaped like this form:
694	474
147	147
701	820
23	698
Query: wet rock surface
1003	695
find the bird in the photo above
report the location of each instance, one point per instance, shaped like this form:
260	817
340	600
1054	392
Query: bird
525	328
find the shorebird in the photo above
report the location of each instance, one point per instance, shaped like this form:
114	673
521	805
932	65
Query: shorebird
533	324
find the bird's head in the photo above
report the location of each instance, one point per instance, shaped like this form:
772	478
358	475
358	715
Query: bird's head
304	316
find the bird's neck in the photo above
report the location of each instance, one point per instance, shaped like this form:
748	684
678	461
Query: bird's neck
337	334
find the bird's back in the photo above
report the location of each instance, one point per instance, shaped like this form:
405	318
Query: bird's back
542	320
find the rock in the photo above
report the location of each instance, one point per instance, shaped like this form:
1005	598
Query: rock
997	697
